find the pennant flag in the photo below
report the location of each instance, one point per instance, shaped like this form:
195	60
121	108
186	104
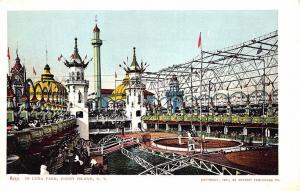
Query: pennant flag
199	41
8	55
59	58
259	50
33	70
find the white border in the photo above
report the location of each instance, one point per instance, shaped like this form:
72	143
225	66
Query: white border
289	41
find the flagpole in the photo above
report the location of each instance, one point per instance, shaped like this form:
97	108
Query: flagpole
201	62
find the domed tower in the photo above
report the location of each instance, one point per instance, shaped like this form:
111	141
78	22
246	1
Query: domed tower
135	108
77	88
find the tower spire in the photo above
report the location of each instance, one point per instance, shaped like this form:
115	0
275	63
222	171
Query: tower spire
17	52
75	47
96	29
46	55
134	62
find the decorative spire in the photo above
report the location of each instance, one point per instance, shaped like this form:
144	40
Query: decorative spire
75	48
46	55
75	58
17	52
96	29
76	54
134	62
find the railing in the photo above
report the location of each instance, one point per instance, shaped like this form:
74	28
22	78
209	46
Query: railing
98	118
110	141
77	81
28	136
110	131
243	138
212	118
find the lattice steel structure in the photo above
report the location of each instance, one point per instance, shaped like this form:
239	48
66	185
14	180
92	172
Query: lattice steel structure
247	69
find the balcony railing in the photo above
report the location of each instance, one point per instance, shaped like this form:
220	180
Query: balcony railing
212	118
77	81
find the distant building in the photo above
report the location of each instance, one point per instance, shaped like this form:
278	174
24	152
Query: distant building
17	79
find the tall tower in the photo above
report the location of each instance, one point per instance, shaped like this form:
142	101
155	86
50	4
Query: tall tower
18	77
78	91
97	42
135	108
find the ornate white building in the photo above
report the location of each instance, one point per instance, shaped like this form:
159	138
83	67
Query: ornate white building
78	91
135	108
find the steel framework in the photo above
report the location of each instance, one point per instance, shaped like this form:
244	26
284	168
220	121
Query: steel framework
250	68
178	162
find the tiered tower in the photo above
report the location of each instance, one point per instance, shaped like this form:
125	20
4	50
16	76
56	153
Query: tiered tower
97	42
174	95
17	77
78	90
135	108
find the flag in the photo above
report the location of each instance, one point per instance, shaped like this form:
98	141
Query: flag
116	75
259	50
8	55
199	41
85	57
33	70
59	58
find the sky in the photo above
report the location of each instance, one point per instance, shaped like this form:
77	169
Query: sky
161	38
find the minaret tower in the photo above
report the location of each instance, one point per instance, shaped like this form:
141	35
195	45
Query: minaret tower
135	108
97	42
77	88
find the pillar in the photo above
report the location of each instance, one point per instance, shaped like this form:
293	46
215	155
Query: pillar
145	126
179	140
101	150
228	110
270	111
207	129
179	128
225	130
267	132
247	110
167	127
245	131
193	128
156	126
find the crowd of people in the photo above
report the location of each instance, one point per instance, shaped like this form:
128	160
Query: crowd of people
70	157
110	114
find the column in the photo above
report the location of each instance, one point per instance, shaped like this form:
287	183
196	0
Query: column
245	131
179	128
167	127
267	132
207	129
145	126
156	126
193	128
225	130
101	150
